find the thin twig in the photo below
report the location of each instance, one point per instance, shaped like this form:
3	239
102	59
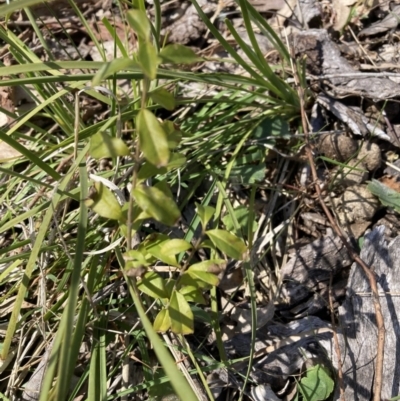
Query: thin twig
336	343
377	388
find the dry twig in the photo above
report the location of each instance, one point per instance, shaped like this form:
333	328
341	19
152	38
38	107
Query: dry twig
377	387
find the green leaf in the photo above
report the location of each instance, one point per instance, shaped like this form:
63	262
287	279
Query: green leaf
206	271
113	67
148	59
317	385
387	196
139	22
178	54
148	170
248	174
135	259
205	213
152	284
181	315
272	127
228	243
155	203
104	202
103	145
193	294
241	213
175	246
164	98
153	139
162	322
174	134
153	245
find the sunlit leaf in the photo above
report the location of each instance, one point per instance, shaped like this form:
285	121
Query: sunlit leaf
103	145
153	284
387	196
206	271
228	243
180	314
148	59
164	98
148	170
162	322
153	139
174	134
241	214
205	213
104	202
178	54
139	22
113	67
193	294
153	245
317	385
175	246
154	202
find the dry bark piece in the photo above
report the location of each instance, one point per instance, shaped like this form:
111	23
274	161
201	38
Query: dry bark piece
389	22
323	58
337	146
357	320
353	117
311	268
370	154
353	174
356	204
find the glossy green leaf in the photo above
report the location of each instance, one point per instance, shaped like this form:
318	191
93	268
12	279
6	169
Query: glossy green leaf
104	202
206	271
162	322
317	385
164	98
154	202
205	213
228	243
112	67
148	59
103	145
153	139
139	22
175	246
178	54
193	294
180	314
153	284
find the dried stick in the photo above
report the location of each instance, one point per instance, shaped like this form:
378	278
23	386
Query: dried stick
377	388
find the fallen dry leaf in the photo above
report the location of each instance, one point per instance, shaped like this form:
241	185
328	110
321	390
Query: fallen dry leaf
7	152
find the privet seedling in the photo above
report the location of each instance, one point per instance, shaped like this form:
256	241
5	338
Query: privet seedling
157	141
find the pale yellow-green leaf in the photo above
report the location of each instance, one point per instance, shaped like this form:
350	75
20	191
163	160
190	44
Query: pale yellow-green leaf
228	243
174	134
175	246
104	202
178	54
153	284
153	246
148	59
180	314
193	294
148	170
162	322
103	145
164	98
112	67
153	139
205	213
140	23
154	202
